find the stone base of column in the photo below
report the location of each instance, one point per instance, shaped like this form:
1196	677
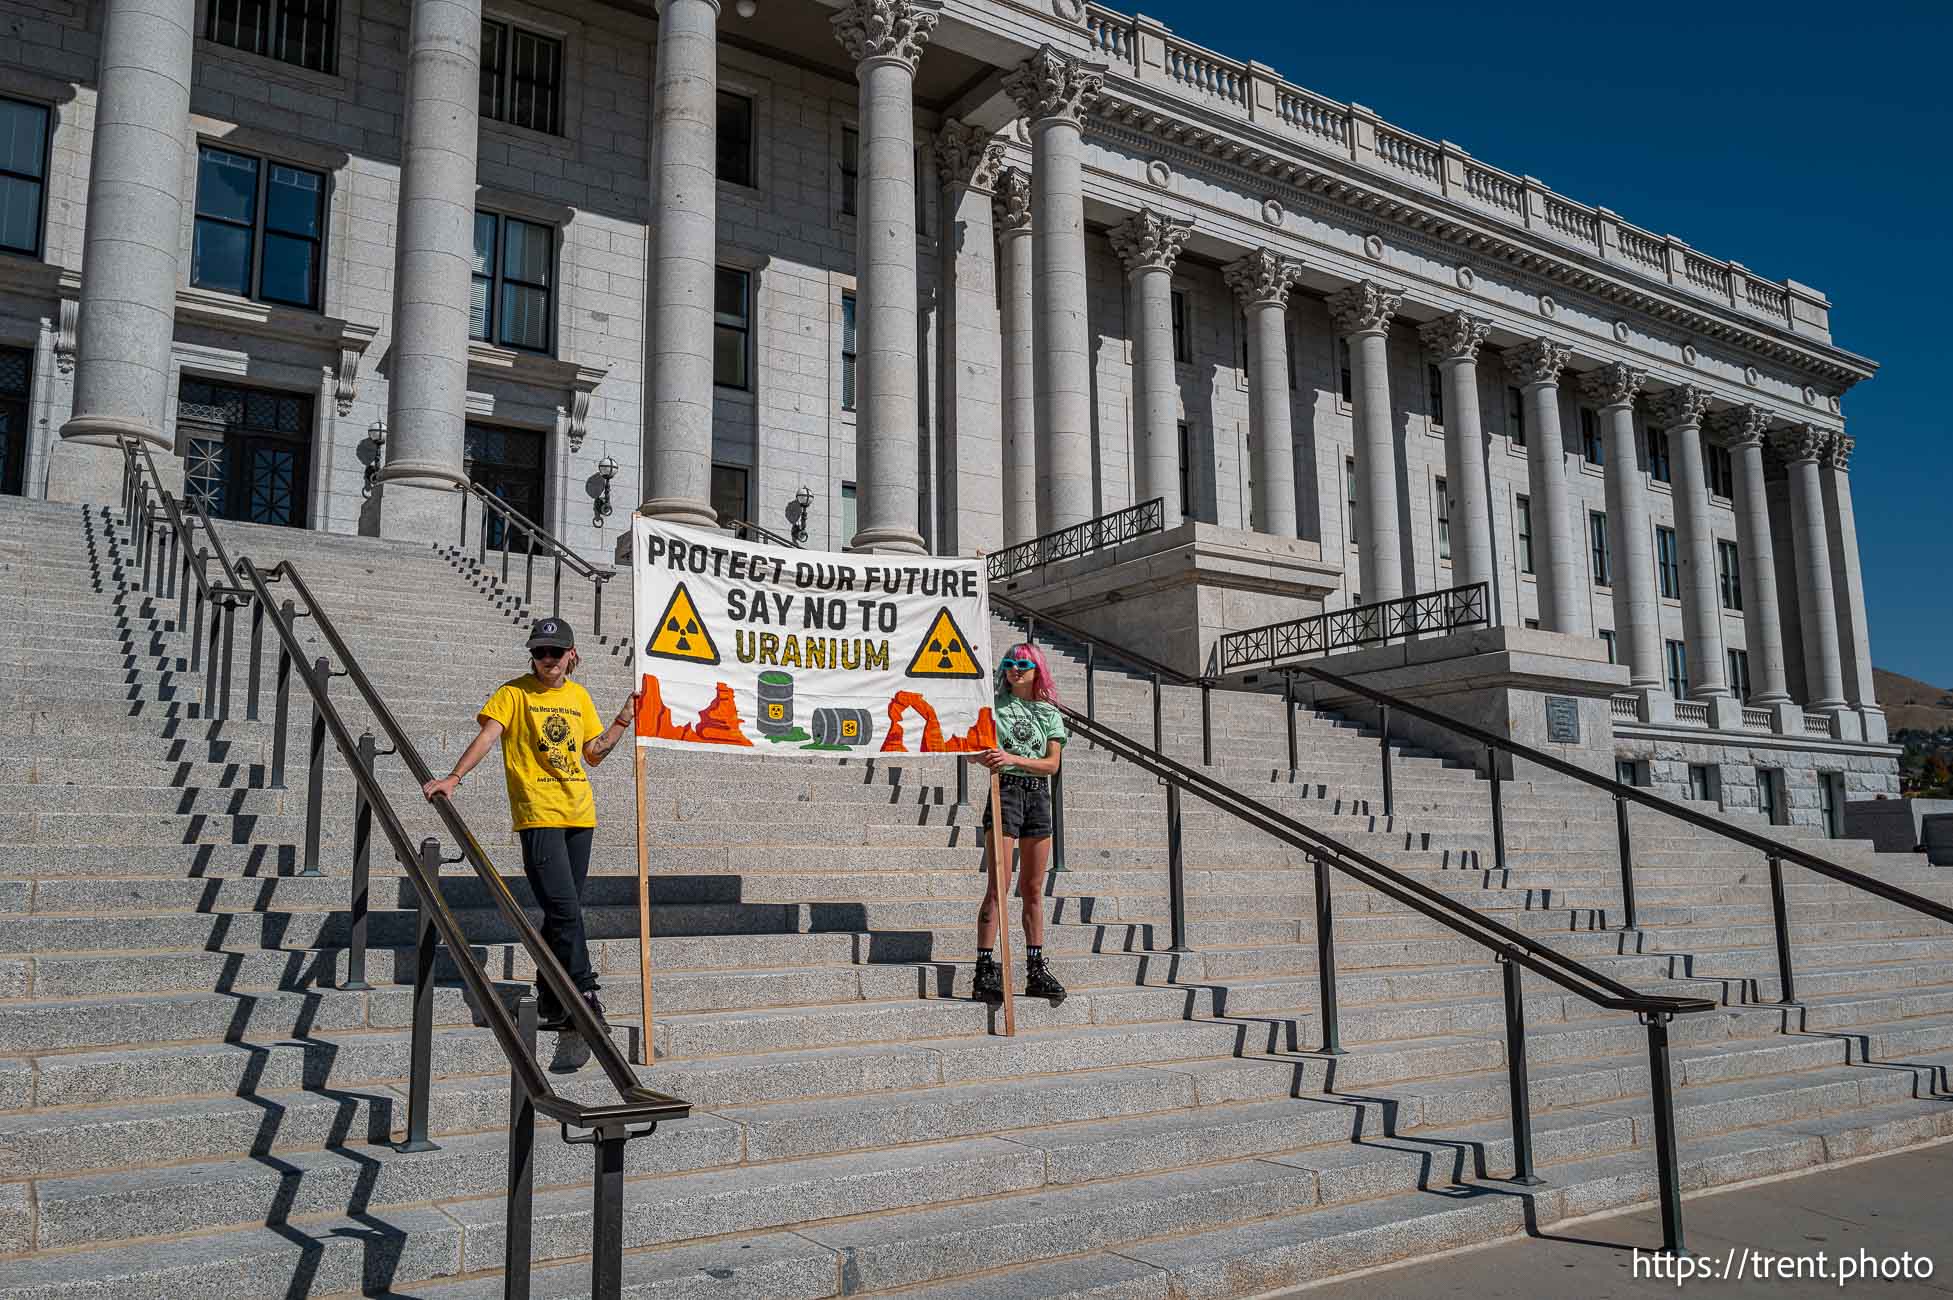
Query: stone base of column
888	541
1657	705
1544	689
417	512
1873	719
1725	713
1171	595
1786	718
680	510
85	465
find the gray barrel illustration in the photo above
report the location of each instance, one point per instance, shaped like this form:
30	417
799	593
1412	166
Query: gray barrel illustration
843	726
775	703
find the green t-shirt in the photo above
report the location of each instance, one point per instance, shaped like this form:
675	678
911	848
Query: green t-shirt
1026	728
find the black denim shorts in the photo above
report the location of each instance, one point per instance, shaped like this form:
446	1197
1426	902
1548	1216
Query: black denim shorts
1026	804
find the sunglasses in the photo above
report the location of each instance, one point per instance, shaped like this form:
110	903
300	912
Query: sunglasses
1018	665
547	653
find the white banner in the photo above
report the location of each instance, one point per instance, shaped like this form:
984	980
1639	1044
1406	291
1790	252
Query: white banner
783	651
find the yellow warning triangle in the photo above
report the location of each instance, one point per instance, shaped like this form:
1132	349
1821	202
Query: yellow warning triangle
682	633
945	651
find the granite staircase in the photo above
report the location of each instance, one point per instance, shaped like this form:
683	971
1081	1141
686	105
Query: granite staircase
189	1104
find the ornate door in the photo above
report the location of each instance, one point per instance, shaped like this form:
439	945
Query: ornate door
247	451
16	379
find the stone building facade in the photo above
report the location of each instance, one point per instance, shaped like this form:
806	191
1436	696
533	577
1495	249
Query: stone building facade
954	274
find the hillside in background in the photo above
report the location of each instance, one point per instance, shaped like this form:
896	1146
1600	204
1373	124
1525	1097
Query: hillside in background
1912	705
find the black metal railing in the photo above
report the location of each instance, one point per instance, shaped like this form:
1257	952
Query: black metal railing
747	531
497	521
151	513
1112	529
1359	625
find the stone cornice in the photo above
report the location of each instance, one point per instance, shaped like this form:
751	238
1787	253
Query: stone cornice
1149	241
1614	384
1050	84
1680	407
1455	337
1013	203
887	29
969	157
1363	308
1262	279
1537	362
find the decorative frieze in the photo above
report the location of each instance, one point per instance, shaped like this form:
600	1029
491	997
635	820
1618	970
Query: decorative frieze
1537	362
887	29
1798	443
1149	241
1263	277
1364	308
968	157
1050	84
1614	384
1455	337
1681	407
1013	203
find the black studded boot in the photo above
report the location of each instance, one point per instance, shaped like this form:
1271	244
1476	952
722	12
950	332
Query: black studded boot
989	983
1039	982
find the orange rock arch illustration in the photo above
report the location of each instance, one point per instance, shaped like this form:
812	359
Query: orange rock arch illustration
982	735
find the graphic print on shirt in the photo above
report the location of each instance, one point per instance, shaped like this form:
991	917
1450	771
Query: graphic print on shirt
558	748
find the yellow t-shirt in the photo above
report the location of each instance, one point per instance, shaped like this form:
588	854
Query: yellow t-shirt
543	734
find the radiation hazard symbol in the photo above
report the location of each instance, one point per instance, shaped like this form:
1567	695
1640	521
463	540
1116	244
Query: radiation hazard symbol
945	651
681	633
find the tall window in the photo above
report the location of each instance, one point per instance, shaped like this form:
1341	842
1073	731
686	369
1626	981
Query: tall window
1182	335
1515	417
521	78
850	356
850	170
848	528
1597	533
1346	386
730	484
507	464
1678	669
1667	564
260	228
1523	508
1729	574
1658	455
732	329
1444	520
1186	470
1591	448
736	140
1434	385
1769	780
23	175
1606	636
300	32
1739	673
515	268
1349	490
1721	471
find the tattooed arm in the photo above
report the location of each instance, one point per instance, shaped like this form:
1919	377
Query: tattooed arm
598	747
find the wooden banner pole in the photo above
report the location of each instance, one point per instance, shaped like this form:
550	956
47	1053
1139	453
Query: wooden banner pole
999	890
645	1054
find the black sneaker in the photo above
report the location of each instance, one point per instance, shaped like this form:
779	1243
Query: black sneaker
1039	982
989	984
562	1023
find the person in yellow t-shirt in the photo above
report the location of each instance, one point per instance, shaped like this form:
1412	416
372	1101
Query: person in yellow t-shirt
549	728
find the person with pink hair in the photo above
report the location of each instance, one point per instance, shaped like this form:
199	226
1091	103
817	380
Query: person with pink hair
1030	739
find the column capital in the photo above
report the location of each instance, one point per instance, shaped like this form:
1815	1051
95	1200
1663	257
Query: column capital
1801	443
1681	407
1743	426
1839	453
1614	384
1054	85
1537	362
969	157
1013	202
1148	241
1262	278
1364	308
1455	337
886	29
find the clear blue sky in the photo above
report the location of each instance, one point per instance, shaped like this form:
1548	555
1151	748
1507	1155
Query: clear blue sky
1804	140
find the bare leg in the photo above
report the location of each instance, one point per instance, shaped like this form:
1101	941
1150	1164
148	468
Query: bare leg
987	913
1037	856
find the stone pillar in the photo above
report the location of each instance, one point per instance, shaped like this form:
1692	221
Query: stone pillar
1637	616
1679	411
684	213
1802	446
886	40
1053	91
1149	244
1559	534
1455	339
1744	430
427	387
1013	218
968	160
130	249
1848	582
1362	314
1262	281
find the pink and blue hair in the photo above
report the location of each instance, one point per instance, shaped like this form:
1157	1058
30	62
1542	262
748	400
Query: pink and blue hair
1046	688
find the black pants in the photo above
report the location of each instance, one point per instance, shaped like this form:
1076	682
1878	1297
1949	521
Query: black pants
556	859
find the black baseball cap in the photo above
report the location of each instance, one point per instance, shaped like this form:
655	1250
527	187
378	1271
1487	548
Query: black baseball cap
551	632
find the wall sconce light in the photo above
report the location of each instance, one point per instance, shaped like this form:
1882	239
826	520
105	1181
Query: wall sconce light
746	8
600	511
372	450
797	514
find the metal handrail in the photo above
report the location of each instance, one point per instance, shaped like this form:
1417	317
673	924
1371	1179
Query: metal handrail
576	563
1109	529
745	530
1380	620
1075	633
535	538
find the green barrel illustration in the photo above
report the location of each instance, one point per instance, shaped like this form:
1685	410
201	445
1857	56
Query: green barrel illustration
775	703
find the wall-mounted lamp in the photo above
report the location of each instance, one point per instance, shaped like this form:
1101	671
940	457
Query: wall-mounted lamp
797	514
372	452
746	8
600	511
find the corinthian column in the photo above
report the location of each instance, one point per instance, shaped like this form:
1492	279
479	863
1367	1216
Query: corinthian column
1535	369
1149	244
684	256
1848	581
427	392
969	159
1679	411
1744	429
1456	339
1053	91
131	245
1262	281
1362	314
1637	618
1013	218
1802	446
886	39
